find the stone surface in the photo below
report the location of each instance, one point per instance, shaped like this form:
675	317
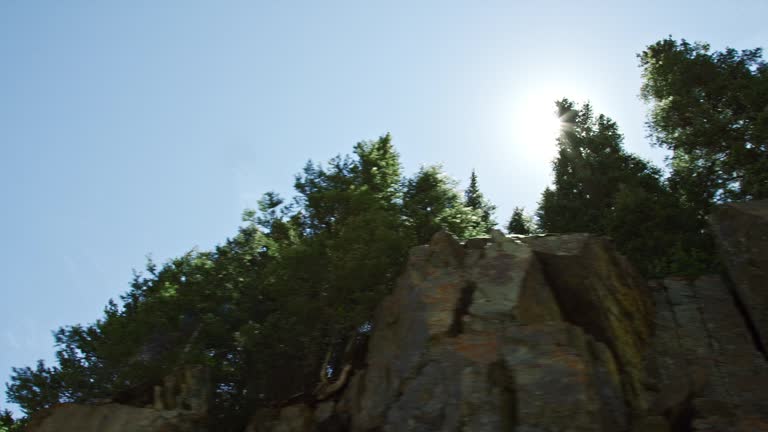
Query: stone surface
546	334
706	357
741	231
112	418
474	340
599	291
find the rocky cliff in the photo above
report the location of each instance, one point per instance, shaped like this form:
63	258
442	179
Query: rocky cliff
542	334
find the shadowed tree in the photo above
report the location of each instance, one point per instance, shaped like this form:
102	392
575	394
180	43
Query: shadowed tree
520	223
600	188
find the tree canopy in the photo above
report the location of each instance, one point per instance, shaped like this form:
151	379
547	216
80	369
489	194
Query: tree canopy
711	110
268	307
601	188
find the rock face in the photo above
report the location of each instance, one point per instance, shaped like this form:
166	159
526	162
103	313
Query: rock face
533	334
546	334
741	230
712	376
180	405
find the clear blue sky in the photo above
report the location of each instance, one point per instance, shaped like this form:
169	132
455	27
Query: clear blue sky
128	128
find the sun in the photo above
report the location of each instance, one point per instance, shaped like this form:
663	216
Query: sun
537	127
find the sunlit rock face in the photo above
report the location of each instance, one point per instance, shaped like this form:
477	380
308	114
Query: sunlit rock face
546	334
475	338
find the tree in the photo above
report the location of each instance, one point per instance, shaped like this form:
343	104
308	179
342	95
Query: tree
431	203
34	389
520	223
602	189
475	200
269	307
8	423
711	110
590	167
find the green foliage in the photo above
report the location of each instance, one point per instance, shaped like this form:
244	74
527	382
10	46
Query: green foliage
520	223
264	309
475	200
600	188
590	167
9	424
711	110
431	203
35	389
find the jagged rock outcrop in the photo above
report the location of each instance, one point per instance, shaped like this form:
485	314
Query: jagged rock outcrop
543	334
529	334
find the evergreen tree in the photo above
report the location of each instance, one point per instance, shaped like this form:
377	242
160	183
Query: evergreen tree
7	422
602	189
475	200
520	223
431	203
265	309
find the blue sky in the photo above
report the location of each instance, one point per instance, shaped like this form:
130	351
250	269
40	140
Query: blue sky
130	128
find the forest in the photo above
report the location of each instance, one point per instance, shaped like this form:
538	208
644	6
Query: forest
267	308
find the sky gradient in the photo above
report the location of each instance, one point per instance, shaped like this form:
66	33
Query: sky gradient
128	128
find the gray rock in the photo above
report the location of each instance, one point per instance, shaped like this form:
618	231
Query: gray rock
741	231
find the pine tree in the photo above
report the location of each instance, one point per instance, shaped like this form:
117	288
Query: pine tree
520	223
431	203
475	200
600	188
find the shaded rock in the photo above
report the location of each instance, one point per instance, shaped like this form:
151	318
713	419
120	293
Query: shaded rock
712	373
652	424
263	420
477	243
113	418
741	231
599	290
294	418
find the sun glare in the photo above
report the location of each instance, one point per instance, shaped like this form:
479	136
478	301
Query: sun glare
537	128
